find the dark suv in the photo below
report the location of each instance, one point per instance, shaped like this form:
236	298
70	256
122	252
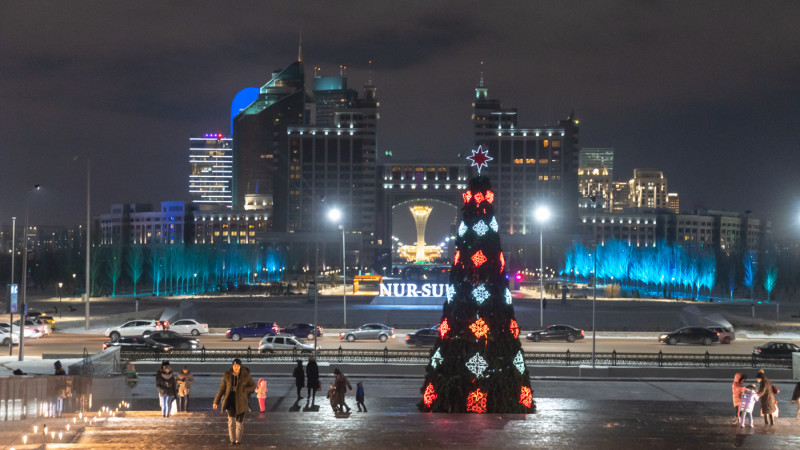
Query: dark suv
690	335
253	329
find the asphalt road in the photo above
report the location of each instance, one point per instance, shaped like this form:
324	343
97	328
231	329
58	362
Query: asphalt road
67	343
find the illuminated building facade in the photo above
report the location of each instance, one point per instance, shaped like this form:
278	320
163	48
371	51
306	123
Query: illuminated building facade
210	171
648	189
595	172
138	223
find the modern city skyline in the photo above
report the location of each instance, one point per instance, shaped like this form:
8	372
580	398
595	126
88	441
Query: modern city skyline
682	87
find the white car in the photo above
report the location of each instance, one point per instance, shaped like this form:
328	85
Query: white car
135	328
283	342
189	326
30	330
4	337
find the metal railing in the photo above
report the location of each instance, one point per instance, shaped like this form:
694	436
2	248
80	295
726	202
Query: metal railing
387	356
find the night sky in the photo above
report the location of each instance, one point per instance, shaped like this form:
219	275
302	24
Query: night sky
709	94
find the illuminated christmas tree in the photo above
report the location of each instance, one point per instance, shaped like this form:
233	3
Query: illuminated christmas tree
477	364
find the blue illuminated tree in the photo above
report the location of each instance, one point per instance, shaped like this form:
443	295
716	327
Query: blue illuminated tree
135	264
770	277
749	271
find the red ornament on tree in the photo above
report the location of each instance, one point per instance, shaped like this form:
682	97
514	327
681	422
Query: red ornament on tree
490	196
444	328
478	198
502	262
429	396
467	195
479	158
479	328
514	328
476	401
525	396
455	258
478	258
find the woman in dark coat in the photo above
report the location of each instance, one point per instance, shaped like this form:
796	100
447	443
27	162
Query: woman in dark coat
312	383
767	398
342	385
299	378
167	387
234	388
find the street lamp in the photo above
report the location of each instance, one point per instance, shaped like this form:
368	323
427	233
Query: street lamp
542	214
88	289
13	255
60	308
594	281
335	216
25	275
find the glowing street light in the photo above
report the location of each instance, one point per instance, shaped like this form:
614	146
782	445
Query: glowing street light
542	214
335	215
23	315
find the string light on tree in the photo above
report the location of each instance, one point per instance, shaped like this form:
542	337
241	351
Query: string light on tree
478	258
476	402
507	297
451	293
493	224
429	396
519	362
477	365
480	294
479	328
480	228
462	229
525	396
436	359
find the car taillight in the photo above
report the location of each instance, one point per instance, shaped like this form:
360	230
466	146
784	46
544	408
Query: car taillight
105	346
408	336
341	335
581	332
717	334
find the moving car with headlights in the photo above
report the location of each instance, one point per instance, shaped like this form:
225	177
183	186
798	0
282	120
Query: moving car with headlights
377	331
283	342
138	343
726	334
189	326
136	328
253	329
32	329
30	332
423	336
174	339
302	330
556	332
775	350
690	335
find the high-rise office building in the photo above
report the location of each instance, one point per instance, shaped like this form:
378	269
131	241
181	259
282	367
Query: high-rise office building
211	171
595	172
648	189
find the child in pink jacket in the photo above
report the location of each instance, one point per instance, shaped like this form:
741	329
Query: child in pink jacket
261	394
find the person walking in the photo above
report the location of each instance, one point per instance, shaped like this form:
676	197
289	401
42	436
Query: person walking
185	380
332	398
796	398
232	394
342	386
767	398
59	369
738	388
167	387
746	404
360	396
299	378
261	394
312	380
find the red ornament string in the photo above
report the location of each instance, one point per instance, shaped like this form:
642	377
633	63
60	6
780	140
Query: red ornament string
526	396
476	401
444	328
478	258
514	328
467	195
479	328
429	396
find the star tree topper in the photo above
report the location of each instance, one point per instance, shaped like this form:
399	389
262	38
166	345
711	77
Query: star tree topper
480	158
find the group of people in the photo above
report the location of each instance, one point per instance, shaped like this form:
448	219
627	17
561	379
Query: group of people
173	388
746	395
237	384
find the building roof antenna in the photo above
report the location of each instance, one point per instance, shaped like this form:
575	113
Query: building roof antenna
300	48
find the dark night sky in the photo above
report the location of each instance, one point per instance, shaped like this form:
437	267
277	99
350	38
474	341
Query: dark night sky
709	94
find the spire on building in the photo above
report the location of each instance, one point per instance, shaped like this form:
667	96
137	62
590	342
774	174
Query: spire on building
481	93
300	48
369	74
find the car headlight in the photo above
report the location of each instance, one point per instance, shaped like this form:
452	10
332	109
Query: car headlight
663	336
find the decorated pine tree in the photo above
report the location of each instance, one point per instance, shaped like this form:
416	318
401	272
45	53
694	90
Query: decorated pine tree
477	364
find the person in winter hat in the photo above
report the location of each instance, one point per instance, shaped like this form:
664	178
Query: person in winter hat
232	394
767	397
185	380
167	387
738	388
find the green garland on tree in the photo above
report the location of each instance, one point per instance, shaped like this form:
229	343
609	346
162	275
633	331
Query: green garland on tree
477	364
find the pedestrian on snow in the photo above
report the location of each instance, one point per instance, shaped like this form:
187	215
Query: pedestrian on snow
299	378
796	398
59	368
234	388
185	380
342	386
332	398
261	394
767	398
167	387
747	402
312	380
360	396
738	388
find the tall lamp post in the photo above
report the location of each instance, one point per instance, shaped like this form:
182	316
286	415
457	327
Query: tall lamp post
542	214
335	215
88	289
594	282
25	275
13	255
60	308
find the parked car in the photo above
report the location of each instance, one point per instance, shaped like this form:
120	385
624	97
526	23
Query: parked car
423	336
690	335
135	328
283	342
302	330
174	339
557	332
138	343
368	331
726	334
6	337
775	350
189	326
253	329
